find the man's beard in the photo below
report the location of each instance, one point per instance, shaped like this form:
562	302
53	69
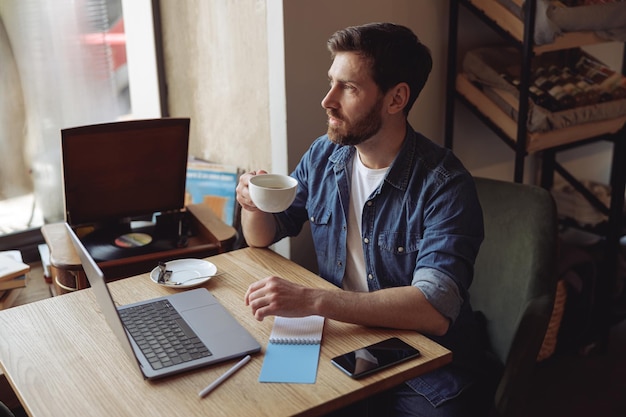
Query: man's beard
362	129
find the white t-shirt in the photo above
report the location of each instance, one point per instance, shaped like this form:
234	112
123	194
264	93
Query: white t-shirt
364	182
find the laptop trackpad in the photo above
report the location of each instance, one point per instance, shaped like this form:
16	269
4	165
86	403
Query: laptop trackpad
222	334
191	300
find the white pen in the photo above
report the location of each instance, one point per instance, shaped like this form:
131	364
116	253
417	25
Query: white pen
224	377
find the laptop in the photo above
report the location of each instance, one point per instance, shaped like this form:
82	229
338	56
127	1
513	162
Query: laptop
204	332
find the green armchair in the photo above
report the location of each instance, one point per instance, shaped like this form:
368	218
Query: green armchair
515	281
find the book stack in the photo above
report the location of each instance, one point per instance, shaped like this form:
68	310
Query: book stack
13	277
562	87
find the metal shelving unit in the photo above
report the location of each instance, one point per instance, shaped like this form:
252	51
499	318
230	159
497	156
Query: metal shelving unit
520	33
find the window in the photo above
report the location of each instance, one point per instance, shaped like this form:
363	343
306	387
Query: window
66	65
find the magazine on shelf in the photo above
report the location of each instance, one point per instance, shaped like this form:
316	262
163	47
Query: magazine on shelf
212	184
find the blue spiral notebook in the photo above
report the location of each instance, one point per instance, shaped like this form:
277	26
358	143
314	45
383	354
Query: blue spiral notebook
293	351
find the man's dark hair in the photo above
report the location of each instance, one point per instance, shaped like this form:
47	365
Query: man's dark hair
394	52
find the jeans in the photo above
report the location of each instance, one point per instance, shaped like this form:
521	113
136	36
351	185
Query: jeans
402	401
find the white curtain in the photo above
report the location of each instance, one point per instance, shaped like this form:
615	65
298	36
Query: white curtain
67	79
14	178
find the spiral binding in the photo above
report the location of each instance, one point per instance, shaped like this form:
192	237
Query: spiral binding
297	330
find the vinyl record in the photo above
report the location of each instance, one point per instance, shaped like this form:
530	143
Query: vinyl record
118	243
124	242
103	251
133	240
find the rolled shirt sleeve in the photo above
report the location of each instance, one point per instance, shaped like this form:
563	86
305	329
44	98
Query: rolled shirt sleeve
440	290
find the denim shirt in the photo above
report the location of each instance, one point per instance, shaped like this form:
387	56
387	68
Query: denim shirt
424	216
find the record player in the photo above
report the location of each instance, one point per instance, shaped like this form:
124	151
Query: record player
124	195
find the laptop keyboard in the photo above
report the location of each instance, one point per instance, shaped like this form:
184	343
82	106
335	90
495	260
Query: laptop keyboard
162	334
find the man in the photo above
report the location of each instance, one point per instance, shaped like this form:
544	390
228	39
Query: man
395	218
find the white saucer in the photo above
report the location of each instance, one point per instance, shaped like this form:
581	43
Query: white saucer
184	271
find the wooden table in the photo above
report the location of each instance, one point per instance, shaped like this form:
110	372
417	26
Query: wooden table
62	360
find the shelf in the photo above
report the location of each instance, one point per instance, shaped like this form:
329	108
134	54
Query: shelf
514	26
506	115
536	141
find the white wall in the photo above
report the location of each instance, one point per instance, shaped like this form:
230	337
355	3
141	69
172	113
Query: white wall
216	65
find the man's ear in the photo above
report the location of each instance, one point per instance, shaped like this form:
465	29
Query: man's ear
398	98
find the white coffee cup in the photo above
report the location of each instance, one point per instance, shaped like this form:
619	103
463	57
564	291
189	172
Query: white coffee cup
272	193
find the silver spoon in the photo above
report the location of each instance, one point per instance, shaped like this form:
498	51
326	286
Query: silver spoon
169	282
